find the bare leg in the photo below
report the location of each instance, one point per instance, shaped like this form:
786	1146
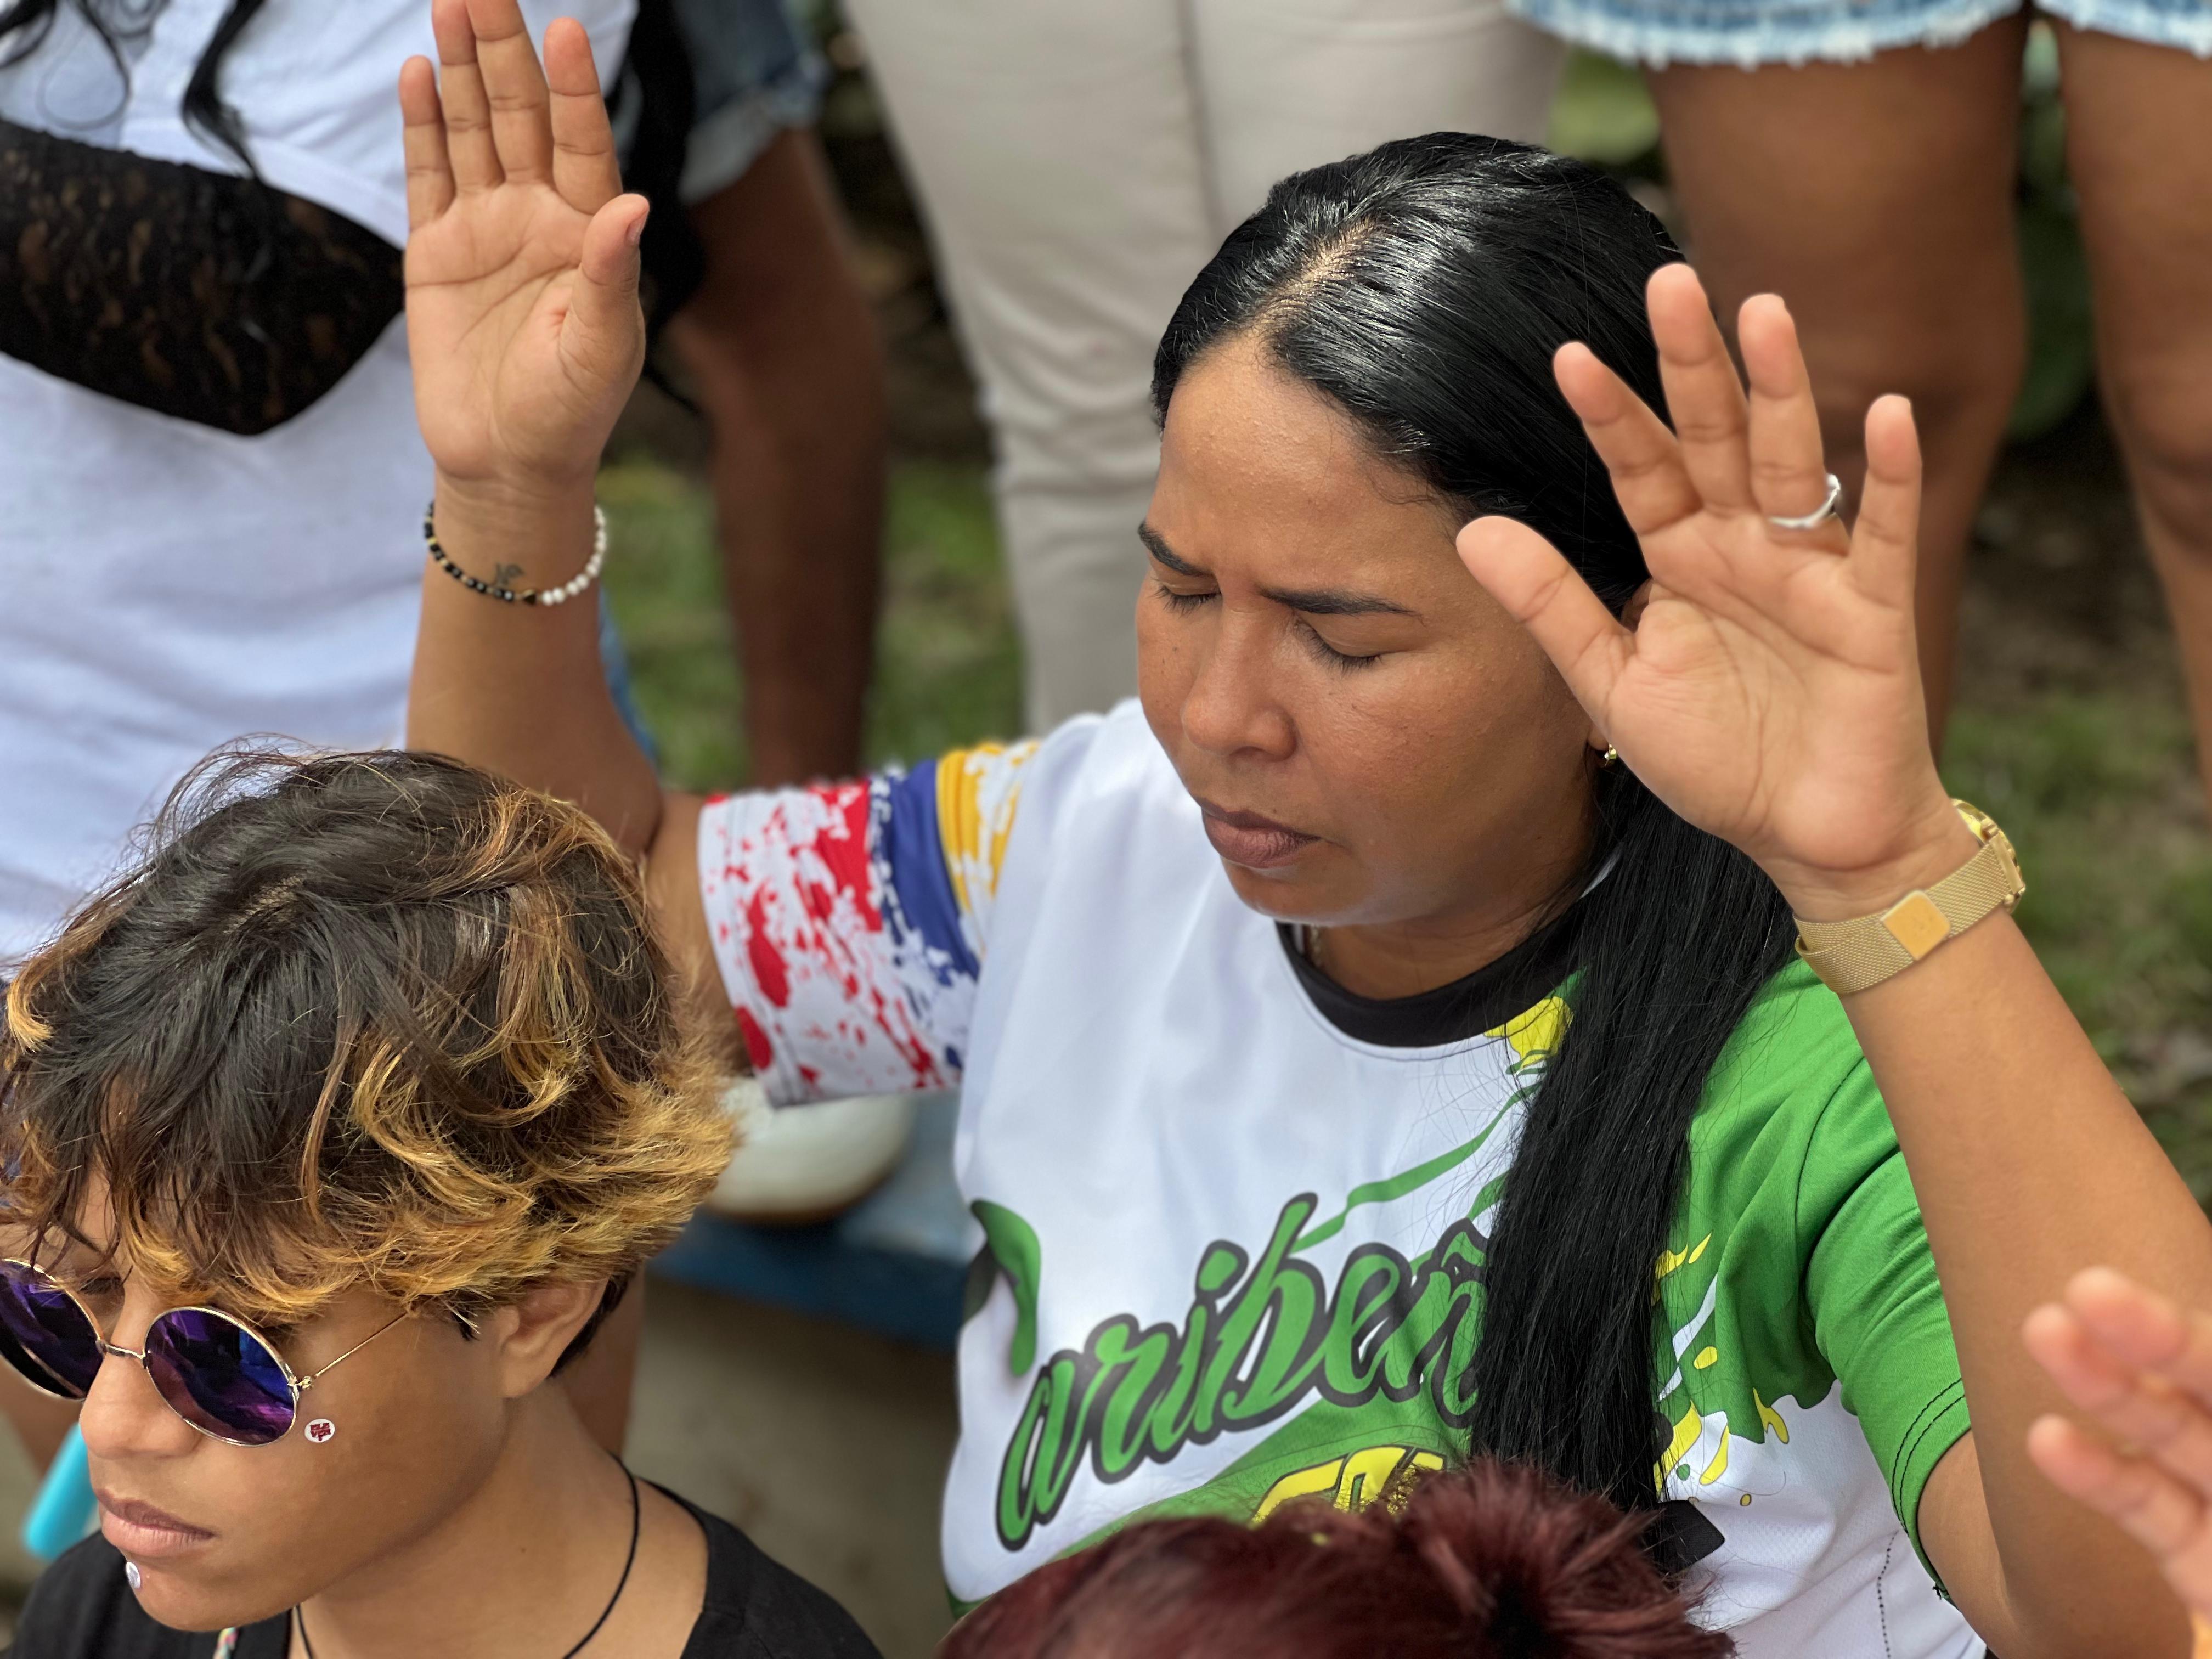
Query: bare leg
2139	144
781	345
1876	199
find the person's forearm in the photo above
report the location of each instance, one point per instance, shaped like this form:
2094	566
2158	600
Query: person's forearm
2029	1165
800	514
520	689
782	350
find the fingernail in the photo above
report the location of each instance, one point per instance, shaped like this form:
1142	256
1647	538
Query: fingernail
637	227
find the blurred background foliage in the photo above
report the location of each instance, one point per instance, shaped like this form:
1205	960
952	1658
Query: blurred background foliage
2071	725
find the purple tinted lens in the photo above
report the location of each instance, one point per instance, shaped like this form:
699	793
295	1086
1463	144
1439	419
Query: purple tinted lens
218	1377
45	1335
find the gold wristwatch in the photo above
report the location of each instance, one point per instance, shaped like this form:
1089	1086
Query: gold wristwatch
1852	955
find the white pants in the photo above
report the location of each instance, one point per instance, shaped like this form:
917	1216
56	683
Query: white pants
1078	161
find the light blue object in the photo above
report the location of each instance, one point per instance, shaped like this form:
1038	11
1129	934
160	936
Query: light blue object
64	1510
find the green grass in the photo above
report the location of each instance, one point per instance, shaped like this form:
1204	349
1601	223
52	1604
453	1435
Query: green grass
948	667
2097	789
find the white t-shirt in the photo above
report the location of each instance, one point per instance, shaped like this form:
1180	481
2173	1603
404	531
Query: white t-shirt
166	588
1233	1250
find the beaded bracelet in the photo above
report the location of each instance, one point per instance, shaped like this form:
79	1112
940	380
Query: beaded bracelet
500	588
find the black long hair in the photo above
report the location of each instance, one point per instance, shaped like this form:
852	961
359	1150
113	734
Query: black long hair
1423	287
25	25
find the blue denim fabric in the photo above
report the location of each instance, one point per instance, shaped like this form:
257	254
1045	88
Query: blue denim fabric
755	73
614	663
1750	32
2186	24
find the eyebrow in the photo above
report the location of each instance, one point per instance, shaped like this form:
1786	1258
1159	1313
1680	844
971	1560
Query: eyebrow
1312	601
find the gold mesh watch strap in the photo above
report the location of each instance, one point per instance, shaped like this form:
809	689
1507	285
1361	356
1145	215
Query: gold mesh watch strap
1851	956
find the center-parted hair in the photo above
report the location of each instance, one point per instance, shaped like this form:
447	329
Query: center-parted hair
376	1020
1423	287
1491	1562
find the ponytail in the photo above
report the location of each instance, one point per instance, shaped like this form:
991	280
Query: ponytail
1675	942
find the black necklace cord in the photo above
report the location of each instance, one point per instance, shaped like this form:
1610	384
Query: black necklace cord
621	1584
299	1622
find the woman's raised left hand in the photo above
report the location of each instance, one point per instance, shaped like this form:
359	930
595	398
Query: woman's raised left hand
522	263
1768	688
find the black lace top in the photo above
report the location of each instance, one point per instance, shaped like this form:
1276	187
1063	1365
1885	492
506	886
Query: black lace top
195	294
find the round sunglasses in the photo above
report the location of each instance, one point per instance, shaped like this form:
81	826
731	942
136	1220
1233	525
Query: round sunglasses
217	1373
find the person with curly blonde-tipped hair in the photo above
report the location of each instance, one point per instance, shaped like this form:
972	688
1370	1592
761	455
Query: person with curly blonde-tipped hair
335	1129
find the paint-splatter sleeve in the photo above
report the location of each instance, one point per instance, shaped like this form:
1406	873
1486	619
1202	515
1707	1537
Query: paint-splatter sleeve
850	921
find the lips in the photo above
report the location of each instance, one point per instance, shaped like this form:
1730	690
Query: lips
143	1533
1251	841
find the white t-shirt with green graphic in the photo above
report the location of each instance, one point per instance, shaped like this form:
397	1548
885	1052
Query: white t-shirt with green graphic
1232	1251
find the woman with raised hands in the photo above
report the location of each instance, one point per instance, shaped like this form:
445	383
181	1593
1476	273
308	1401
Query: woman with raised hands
1382	1040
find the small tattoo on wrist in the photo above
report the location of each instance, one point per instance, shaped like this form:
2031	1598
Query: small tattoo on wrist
506	575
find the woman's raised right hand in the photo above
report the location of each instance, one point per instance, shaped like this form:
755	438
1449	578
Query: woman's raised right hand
522	263
1769	691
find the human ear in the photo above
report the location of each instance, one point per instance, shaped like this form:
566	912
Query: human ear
532	1333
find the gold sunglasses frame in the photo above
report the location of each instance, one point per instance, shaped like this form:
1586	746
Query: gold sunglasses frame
298	1385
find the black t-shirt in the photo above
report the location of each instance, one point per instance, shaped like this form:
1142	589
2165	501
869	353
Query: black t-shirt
81	1609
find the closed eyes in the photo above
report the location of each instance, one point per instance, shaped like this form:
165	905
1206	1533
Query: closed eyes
1182	603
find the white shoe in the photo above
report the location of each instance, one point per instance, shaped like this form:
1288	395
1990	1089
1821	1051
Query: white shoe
801	1164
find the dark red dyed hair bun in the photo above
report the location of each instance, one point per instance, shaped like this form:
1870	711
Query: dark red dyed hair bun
1489	1562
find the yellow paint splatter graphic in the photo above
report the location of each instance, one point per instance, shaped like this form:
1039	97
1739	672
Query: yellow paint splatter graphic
1535	1033
977	790
1351	1482
1688	1427
1714	1470
1673	1261
1770	1418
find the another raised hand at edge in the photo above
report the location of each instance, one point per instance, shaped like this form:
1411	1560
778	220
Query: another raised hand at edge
2142	1367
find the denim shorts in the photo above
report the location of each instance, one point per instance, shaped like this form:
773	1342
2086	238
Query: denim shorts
755	73
1752	33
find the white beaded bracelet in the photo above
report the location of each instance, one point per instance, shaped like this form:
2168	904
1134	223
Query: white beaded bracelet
501	586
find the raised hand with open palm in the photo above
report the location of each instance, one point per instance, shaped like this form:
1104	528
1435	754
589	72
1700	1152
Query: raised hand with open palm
1768	690
522	267
2141	1366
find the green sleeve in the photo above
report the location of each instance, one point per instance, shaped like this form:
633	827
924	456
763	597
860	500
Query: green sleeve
1877	1308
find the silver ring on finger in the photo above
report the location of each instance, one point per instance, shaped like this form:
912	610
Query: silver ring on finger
1819	516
